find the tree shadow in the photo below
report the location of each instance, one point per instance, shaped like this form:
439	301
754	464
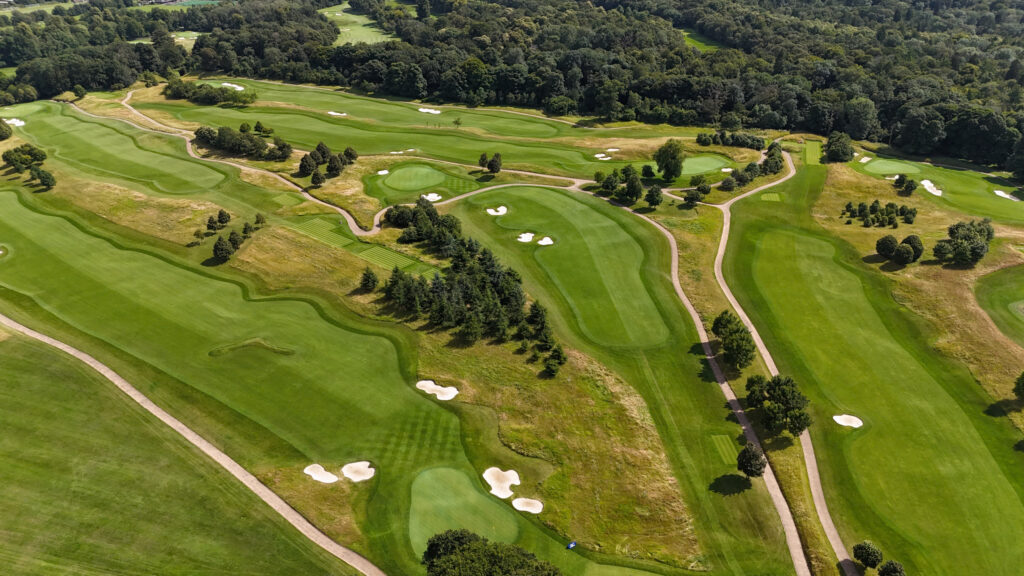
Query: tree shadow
213	261
730	484
485	178
874	259
776	443
891	266
1001	408
1019	446
644	210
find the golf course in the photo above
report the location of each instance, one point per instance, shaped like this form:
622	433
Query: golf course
380	428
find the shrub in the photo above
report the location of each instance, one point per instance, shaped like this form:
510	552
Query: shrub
867	554
886	245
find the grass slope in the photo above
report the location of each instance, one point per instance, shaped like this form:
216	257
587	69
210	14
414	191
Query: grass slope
94	485
1001	294
832	324
605	278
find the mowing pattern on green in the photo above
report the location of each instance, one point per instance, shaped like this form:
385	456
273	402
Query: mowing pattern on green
771	197
324	231
332	234
286	200
726	448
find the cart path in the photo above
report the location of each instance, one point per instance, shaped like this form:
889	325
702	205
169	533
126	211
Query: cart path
223	460
778	499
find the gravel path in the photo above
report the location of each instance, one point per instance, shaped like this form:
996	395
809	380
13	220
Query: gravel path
778	499
223	460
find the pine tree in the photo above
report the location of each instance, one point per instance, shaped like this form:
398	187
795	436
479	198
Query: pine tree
323	150
368	282
335	166
318	178
482	162
350	154
306	166
494	164
223	218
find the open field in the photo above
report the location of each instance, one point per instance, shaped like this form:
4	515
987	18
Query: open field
603	255
832	324
354	27
1001	294
46	7
700	41
102	487
963	190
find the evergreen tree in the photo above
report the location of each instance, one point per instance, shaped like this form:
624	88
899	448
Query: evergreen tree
247	230
335	166
223	217
482	162
494	164
306	166
751	461
867	554
318	178
350	154
323	151
261	220
235	239
368	282
222	249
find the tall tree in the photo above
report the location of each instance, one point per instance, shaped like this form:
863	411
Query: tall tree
669	158
222	249
751	461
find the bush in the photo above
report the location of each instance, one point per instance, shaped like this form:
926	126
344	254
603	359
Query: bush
904	254
891	568
728	185
967	243
886	245
915	243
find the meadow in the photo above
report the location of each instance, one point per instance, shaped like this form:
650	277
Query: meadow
1001	294
832	324
123	479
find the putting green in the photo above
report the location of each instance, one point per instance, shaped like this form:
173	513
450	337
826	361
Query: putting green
1001	294
105	495
414	177
593	258
353	27
446	499
832	325
887	166
703	163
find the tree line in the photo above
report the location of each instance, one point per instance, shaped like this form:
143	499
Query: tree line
463	553
246	141
310	163
28	157
476	295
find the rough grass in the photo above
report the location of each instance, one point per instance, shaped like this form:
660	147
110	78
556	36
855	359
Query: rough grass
832	324
116	493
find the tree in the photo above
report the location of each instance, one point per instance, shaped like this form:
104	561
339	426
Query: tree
692	198
891	568
46	179
472	328
222	249
247	230
1018	387
781	403
446	543
494	164
211	224
653	197
908	187
886	245
1014	163
861	118
235	239
704	189
316	158
323	151
610	183
633	190
244	128
261	220
259	128
368	281
79	91
223	218
5	130
647	171
462	553
921	131
967	243
306	166
839	147
423	9
351	155
728	185
697	180
737	344
334	166
916	245
751	461
867	554
669	158
318	179
482	162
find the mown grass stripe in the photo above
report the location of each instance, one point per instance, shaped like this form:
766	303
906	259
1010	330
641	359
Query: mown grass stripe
726	448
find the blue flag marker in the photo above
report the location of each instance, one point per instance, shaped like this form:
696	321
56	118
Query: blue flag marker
571	545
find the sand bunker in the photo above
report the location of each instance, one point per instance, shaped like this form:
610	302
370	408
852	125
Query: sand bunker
317	472
430	111
232	86
358	471
499	211
382	172
931	188
611	149
333	113
410	149
891	177
865	160
501	482
528	505
14	121
432	197
1002	194
545	241
600	155
525	237
397	152
605	158
442	392
847	420
726	169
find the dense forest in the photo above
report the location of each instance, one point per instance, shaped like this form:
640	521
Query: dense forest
938	77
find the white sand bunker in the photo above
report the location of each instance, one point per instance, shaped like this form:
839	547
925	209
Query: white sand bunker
410	149
333	113
525	237
528	505
432	197
865	160
545	241
847	420
232	86
931	188
891	177
358	471
382	172
605	158
14	121
1003	194
397	152
726	169
611	150
430	111
600	155
499	211
501	482
317	472
855	154
442	392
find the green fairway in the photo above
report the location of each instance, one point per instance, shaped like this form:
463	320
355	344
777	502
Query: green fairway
886	167
604	279
446	499
353	27
1001	294
967	191
405	182
94	485
703	163
812	152
930	476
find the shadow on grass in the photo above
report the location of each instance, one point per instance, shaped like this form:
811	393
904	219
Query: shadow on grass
775	443
1001	408
891	266
730	484
873	259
